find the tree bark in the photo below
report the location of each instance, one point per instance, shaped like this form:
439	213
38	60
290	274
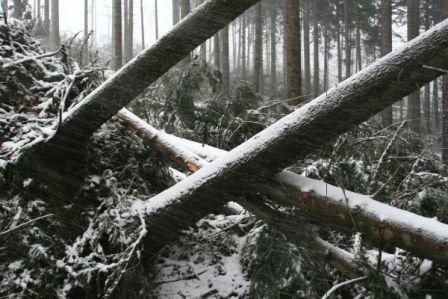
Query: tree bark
142	22
273	37
316	79
47	16
217	51
413	25
130	33
257	160
85	54
118	35
156	18
243	48
258	49
292	51
347	37
386	47
225	60
55	39
184	11
444	14
338	41
176	11
435	105
306	46
379	223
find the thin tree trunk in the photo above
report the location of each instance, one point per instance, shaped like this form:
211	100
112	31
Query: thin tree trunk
316	79
326	58
291	38
55	39
307	53
273	52
39	14
444	13
184	11
258	50
225	57
243	48
427	89
118	42
131	30
338	41
348	44
176	11
156	18
413	25
435	105
358	48
47	16
217	51
85	54
142	22
125	31
386	47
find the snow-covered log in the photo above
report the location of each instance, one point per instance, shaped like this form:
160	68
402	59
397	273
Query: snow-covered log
182	151
304	131
58	162
347	211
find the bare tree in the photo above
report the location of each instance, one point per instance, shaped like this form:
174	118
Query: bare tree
273	58
225	61
306	47
156	18
142	22
444	12
316	79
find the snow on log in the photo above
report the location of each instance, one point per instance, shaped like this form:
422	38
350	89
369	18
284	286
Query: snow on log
182	151
379	223
302	132
58	163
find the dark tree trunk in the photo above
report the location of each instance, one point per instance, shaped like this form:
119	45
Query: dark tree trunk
413	24
225	57
18	9
435	105
47	16
85	54
130	32
338	40
444	12
243	49
347	37
306	47
118	35
292	51
217	51
258	49
386	47
316	72
273	52
142	21
185	9
427	89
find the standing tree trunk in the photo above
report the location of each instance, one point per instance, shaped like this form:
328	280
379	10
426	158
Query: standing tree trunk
316	79
85	54
130	32
55	39
47	16
427	90
176	12
435	105
125	30
444	12
18	9
306	46
225	57
413	24
258	49
39	14
243	48
386	47
216	52
118	42
156	18
338	40
142	22
292	55
273	52
184	11
348	43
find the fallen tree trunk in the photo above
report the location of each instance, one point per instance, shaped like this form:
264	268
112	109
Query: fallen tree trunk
347	211
58	162
174	149
317	123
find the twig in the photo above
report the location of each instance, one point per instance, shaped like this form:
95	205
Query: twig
187	277
342	284
27	59
23	225
434	68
